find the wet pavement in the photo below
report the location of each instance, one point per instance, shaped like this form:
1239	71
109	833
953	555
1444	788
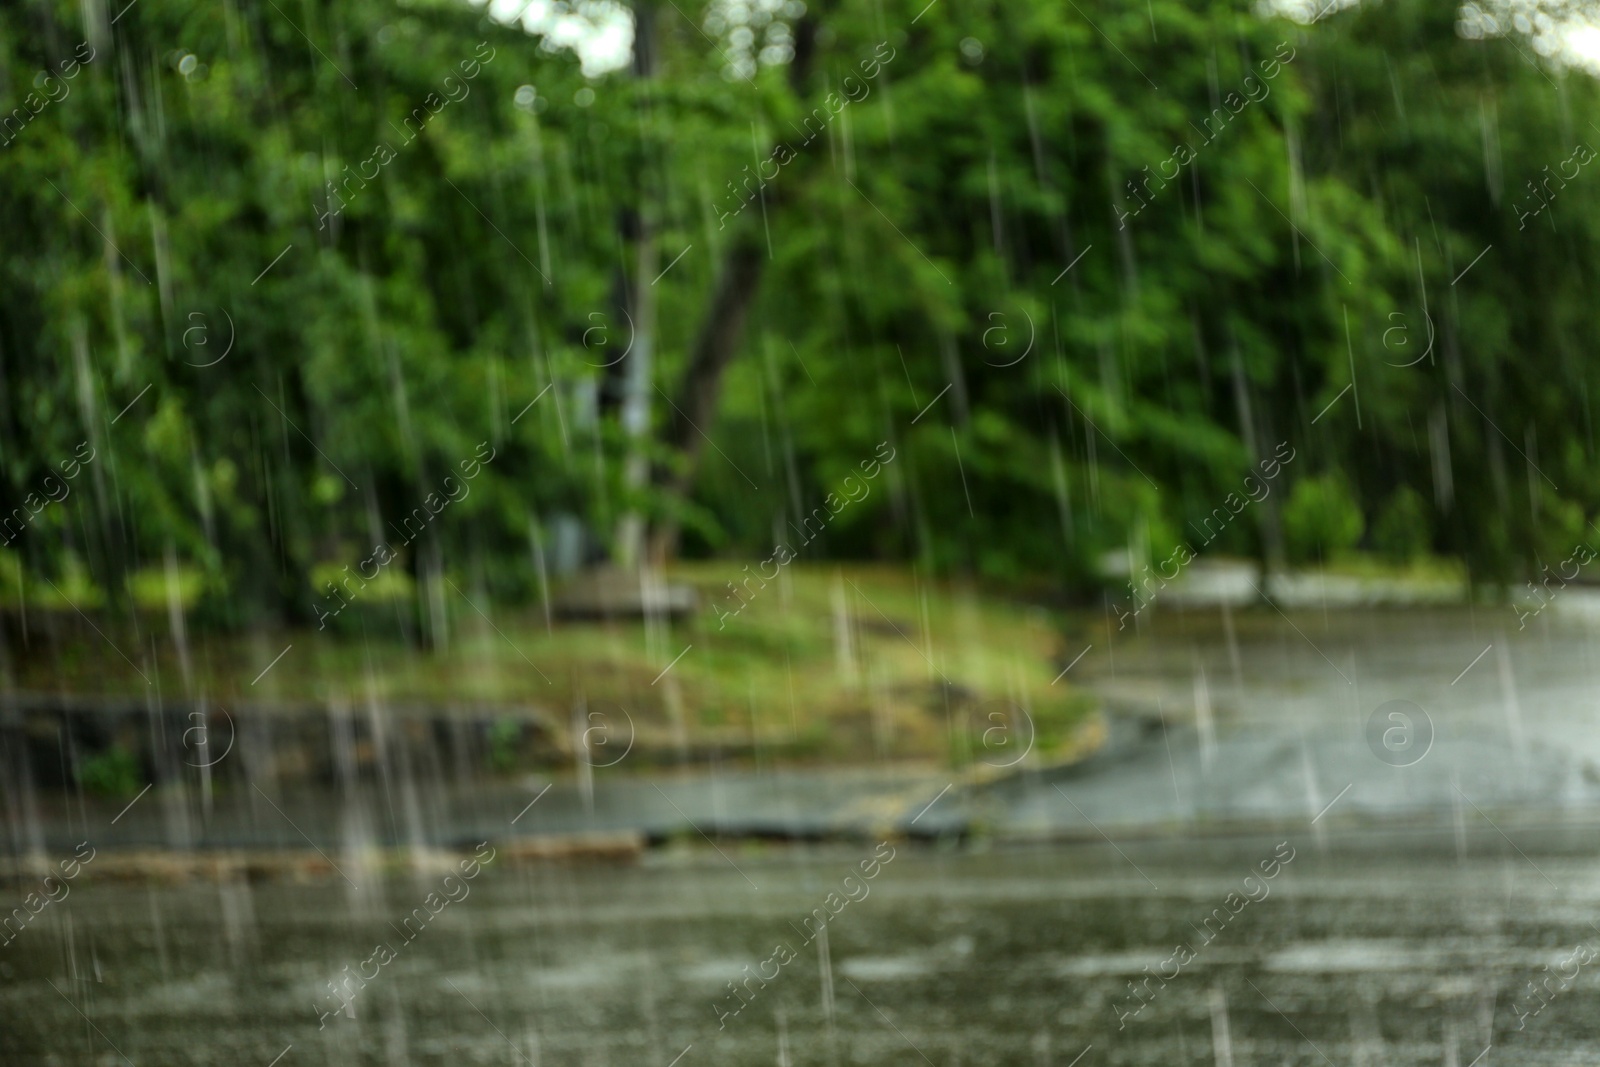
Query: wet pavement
1409	949
1439	907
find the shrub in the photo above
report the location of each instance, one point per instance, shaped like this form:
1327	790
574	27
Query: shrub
1401	533
1321	518
112	773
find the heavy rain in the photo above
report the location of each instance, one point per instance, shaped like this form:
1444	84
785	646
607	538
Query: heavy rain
817	533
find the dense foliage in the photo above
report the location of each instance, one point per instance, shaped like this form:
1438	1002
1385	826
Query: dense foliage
405	222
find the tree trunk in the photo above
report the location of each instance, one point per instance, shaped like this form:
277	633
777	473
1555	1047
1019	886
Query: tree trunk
696	405
637	371
635	413
738	281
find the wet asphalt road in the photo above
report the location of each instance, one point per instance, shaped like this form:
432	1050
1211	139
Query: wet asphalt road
1440	907
1413	948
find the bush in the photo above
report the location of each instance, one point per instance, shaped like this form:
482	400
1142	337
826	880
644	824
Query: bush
1401	533
112	773
1321	518
505	738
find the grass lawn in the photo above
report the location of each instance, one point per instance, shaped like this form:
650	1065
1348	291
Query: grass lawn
836	664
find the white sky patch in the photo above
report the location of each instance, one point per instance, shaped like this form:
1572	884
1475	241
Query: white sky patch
753	33
1584	44
599	31
1304	12
749	33
1566	31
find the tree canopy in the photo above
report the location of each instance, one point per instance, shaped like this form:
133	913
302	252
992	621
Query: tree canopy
282	267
